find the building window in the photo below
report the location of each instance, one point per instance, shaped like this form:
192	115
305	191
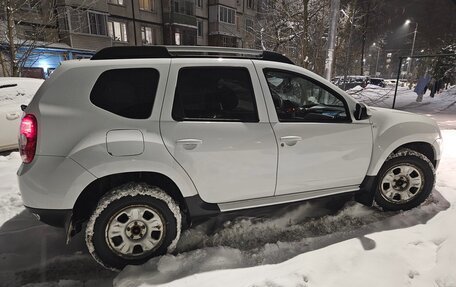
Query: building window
249	25
116	2
147	5
200	28
88	22
147	35
177	38
117	31
250	4
184	7
97	23
199	3
227	15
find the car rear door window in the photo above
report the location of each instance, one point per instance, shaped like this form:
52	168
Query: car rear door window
214	94
128	93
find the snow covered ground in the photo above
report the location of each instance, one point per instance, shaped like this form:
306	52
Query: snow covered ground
356	246
442	107
310	244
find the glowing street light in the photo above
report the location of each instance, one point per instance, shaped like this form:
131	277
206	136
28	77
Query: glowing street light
378	56
407	22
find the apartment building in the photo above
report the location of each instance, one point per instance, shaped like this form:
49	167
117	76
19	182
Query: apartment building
81	27
153	22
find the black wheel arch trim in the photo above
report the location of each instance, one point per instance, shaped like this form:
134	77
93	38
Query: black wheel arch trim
198	208
366	192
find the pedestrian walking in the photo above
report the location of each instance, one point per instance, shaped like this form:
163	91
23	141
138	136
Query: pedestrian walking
432	87
421	86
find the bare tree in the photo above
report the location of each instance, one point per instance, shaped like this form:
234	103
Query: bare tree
26	25
294	27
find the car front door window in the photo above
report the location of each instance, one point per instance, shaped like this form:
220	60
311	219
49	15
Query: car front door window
298	99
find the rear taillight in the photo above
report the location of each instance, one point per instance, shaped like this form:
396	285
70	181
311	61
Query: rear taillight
27	138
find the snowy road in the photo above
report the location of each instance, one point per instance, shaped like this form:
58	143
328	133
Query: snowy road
309	244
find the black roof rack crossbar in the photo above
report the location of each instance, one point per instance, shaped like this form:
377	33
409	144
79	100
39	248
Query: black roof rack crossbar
148	52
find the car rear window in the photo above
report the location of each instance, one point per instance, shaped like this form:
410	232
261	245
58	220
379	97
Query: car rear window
128	93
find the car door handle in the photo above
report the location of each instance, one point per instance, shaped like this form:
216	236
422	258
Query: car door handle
189	144
290	140
12	116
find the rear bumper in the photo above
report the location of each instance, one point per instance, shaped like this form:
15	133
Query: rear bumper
54	217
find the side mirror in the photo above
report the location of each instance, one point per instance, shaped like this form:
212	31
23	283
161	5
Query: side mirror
360	112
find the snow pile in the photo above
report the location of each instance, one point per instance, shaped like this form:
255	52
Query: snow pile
18	91
357	246
373	87
10	198
355	89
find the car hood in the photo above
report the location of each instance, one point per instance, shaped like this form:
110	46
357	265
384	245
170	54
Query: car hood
384	118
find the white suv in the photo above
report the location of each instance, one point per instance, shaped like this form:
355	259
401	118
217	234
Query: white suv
139	141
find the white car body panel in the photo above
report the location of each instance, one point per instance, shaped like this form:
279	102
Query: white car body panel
233	160
73	127
52	182
124	142
393	128
326	155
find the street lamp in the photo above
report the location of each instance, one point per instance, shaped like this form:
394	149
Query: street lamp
378	56
407	22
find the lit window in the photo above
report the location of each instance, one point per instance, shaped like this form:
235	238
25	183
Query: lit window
177	38
117	31
147	35
148	5
117	2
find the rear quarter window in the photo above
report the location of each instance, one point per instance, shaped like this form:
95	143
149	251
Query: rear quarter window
128	93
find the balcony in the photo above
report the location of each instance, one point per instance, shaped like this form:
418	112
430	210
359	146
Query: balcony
178	18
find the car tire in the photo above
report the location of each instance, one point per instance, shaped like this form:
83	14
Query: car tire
131	224
405	180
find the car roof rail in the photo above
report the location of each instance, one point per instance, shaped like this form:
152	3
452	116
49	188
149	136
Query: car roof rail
148	52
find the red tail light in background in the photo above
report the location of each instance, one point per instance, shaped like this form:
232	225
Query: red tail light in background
27	138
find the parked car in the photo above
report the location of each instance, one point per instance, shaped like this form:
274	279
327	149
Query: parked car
138	142
378	82
13	93
350	81
392	82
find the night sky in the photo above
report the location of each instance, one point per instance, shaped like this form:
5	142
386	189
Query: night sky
436	23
